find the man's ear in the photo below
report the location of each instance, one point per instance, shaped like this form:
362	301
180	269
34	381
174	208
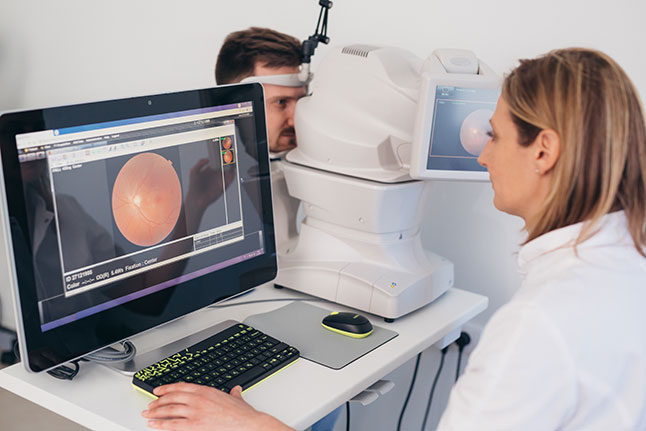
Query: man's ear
547	150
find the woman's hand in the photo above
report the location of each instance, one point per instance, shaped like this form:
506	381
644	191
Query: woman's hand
185	406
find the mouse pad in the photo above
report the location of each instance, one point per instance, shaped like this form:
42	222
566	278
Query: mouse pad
299	325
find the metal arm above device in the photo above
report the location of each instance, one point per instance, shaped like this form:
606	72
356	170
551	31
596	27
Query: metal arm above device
308	47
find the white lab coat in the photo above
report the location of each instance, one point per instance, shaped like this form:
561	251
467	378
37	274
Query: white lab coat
568	352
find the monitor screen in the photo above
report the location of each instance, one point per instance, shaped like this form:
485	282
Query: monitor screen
459	127
126	214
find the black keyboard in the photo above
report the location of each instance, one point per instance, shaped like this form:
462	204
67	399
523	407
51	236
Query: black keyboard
239	355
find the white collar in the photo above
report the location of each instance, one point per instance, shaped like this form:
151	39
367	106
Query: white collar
611	229
277	156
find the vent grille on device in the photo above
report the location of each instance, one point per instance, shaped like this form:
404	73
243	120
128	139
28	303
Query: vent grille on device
358	50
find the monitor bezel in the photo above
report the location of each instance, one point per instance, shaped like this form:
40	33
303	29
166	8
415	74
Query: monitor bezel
422	131
41	351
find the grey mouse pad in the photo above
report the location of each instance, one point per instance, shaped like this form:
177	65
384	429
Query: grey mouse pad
299	325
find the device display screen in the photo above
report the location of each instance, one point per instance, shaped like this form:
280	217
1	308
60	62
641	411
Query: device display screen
126	214
460	125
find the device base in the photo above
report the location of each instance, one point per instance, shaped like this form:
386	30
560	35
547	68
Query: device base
368	286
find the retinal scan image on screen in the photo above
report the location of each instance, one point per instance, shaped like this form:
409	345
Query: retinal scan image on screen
148	203
460	125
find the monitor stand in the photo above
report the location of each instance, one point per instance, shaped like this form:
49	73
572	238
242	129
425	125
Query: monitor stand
144	359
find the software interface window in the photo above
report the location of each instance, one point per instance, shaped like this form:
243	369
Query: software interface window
126	197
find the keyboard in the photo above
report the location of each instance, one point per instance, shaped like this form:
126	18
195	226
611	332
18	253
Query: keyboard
238	355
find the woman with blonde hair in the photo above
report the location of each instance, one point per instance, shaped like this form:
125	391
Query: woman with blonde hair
567	154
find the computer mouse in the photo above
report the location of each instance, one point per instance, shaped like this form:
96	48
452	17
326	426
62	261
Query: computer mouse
351	324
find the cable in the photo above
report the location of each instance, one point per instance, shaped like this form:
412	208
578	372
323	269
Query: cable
430	396
463	340
255	301
62	372
457	368
410	391
347	416
111	355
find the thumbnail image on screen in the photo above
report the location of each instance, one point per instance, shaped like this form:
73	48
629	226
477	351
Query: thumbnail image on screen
148	204
460	125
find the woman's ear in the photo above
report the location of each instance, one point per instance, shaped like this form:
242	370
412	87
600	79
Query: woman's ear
547	150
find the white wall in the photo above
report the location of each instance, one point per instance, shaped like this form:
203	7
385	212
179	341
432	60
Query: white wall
67	51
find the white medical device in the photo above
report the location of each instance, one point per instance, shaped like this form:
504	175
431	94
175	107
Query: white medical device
377	119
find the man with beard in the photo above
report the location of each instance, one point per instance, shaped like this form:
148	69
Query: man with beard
262	52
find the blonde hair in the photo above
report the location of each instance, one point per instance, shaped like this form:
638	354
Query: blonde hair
593	106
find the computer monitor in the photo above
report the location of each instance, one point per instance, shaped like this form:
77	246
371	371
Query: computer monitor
126	214
452	122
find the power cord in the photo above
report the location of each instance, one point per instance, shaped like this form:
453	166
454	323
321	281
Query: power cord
347	416
62	372
410	391
463	340
111	355
430	396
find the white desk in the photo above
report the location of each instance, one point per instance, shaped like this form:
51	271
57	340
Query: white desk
101	399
